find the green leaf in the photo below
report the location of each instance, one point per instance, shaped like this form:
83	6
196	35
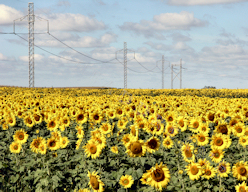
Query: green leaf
129	171
142	161
13	178
112	163
139	172
44	182
55	178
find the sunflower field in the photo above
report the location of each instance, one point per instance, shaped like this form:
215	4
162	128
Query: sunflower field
85	140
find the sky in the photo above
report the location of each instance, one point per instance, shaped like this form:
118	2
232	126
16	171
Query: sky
84	43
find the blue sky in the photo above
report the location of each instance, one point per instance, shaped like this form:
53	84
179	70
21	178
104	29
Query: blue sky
210	36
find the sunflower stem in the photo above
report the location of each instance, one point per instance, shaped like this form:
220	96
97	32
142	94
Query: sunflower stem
16	160
220	185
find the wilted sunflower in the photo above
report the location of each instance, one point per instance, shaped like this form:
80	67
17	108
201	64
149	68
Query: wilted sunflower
240	170
36	143
167	142
64	142
223	169
152	144
15	147
187	152
209	172
194	171
223	128
92	149
241	187
136	148
29	121
20	136
216	155
171	129
53	143
126	181
95	183
159	176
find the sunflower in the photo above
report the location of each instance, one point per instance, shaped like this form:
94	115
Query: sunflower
64	122
194	171
158	176
106	128
167	143
155	128
53	143
52	124
81	117
95	183
80	131
101	140
240	170
187	152
110	113
194	124
134	130
241	187
203	162
210	115
219	141
223	169
126	139
238	129
119	112
136	148
182	123
223	128
216	155
233	122
121	124
11	120
96	116
37	118
152	144
36	143
170	117
114	149
202	139
29	121
243	140
20	136
42	148
64	142
171	129
209	172
126	181
92	149
15	147
204	128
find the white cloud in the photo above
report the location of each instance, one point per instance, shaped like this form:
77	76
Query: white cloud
71	22
2	57
37	57
9	14
202	2
164	22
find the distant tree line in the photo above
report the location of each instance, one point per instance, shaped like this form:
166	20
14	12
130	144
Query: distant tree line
209	87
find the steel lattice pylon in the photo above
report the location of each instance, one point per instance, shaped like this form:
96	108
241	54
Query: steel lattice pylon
125	65
31	43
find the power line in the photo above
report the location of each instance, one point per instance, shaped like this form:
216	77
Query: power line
61	56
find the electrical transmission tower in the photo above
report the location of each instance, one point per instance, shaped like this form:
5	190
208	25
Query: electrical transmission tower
31	19
163	60
180	72
124	62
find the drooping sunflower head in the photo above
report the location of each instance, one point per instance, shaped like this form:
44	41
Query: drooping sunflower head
94	181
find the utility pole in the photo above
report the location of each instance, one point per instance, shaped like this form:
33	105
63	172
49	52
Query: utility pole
125	50
31	19
31	43
180	72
